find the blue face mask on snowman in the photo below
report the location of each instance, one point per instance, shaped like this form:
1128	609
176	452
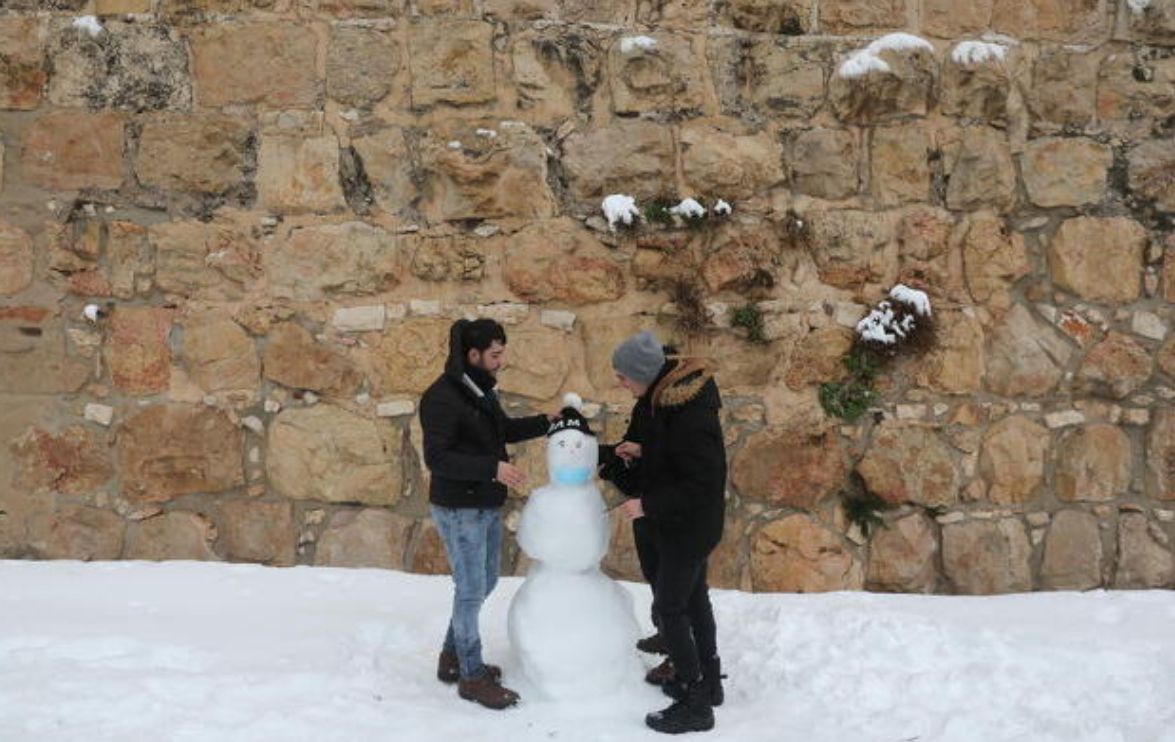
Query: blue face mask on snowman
571	476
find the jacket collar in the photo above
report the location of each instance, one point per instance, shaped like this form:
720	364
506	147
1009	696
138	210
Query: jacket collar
683	384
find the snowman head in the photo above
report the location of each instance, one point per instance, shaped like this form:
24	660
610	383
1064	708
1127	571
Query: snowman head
572	450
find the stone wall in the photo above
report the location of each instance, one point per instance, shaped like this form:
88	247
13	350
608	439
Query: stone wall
279	205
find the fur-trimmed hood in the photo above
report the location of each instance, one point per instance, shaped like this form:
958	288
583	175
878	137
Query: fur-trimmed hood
690	379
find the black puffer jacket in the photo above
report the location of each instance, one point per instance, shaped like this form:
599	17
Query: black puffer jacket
683	460
465	435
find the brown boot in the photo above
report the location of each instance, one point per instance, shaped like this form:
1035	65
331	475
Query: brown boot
654	644
661	674
486	691
449	669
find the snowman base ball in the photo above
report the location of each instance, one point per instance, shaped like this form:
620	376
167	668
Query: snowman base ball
572	629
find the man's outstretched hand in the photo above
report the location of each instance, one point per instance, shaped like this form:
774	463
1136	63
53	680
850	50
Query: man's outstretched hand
510	475
628	451
632	509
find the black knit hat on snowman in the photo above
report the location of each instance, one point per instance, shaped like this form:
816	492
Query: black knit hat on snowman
571	417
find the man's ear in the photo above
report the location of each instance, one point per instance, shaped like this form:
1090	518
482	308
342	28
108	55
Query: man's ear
473	356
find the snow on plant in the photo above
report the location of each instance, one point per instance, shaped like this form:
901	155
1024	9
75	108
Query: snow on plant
629	44
895	321
972	53
487	133
620	209
867	60
1139	6
689	209
90	25
722	208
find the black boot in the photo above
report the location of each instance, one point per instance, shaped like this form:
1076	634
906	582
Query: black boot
690	714
711	679
654	644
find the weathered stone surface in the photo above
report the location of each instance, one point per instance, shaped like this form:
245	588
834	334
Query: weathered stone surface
448	258
407	357
900	170
197	10
1132	86
981	171
796	554
956	363
317	263
761	76
294	359
793	468
1154	23
138	353
22	70
665	75
357	8
539	361
1064	85
903	557
621	562
429	558
139	67
33	356
1150	166
554	73
1115	367
1093	464
1061	20
905	89
629	157
909	464
1165	358
1099	259
1012	459
451	62
256	532
74	462
1025	356
203	154
388	165
978	88
1145	560
851	248
857	17
219	355
742	259
76	532
1065	171
1160	455
985	557
360	65
823	163
16	258
298	175
72	149
364	538
789	17
174	535
168	450
213	261
994	258
326	453
928	253
1072	552
561	261
819	357
486	177
723	159
270	64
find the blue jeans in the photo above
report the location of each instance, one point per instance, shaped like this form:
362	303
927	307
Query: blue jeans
473	543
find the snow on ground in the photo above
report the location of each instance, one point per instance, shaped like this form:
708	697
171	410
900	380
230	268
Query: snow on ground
197	652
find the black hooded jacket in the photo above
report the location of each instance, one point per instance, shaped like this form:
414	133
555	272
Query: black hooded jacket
465	435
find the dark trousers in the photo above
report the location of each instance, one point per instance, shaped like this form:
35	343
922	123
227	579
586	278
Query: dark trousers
681	600
646	553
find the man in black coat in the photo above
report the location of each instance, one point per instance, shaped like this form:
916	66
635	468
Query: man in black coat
465	437
682	485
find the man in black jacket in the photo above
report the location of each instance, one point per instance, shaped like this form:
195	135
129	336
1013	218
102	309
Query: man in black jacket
682	485
465	437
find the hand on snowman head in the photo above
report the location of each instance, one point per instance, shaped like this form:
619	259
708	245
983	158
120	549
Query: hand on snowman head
572	450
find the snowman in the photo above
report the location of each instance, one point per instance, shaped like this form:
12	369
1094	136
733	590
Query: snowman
572	628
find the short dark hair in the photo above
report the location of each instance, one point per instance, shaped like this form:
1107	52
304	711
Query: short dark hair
481	334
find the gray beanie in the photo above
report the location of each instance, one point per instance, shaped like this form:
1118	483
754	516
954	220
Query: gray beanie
640	358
